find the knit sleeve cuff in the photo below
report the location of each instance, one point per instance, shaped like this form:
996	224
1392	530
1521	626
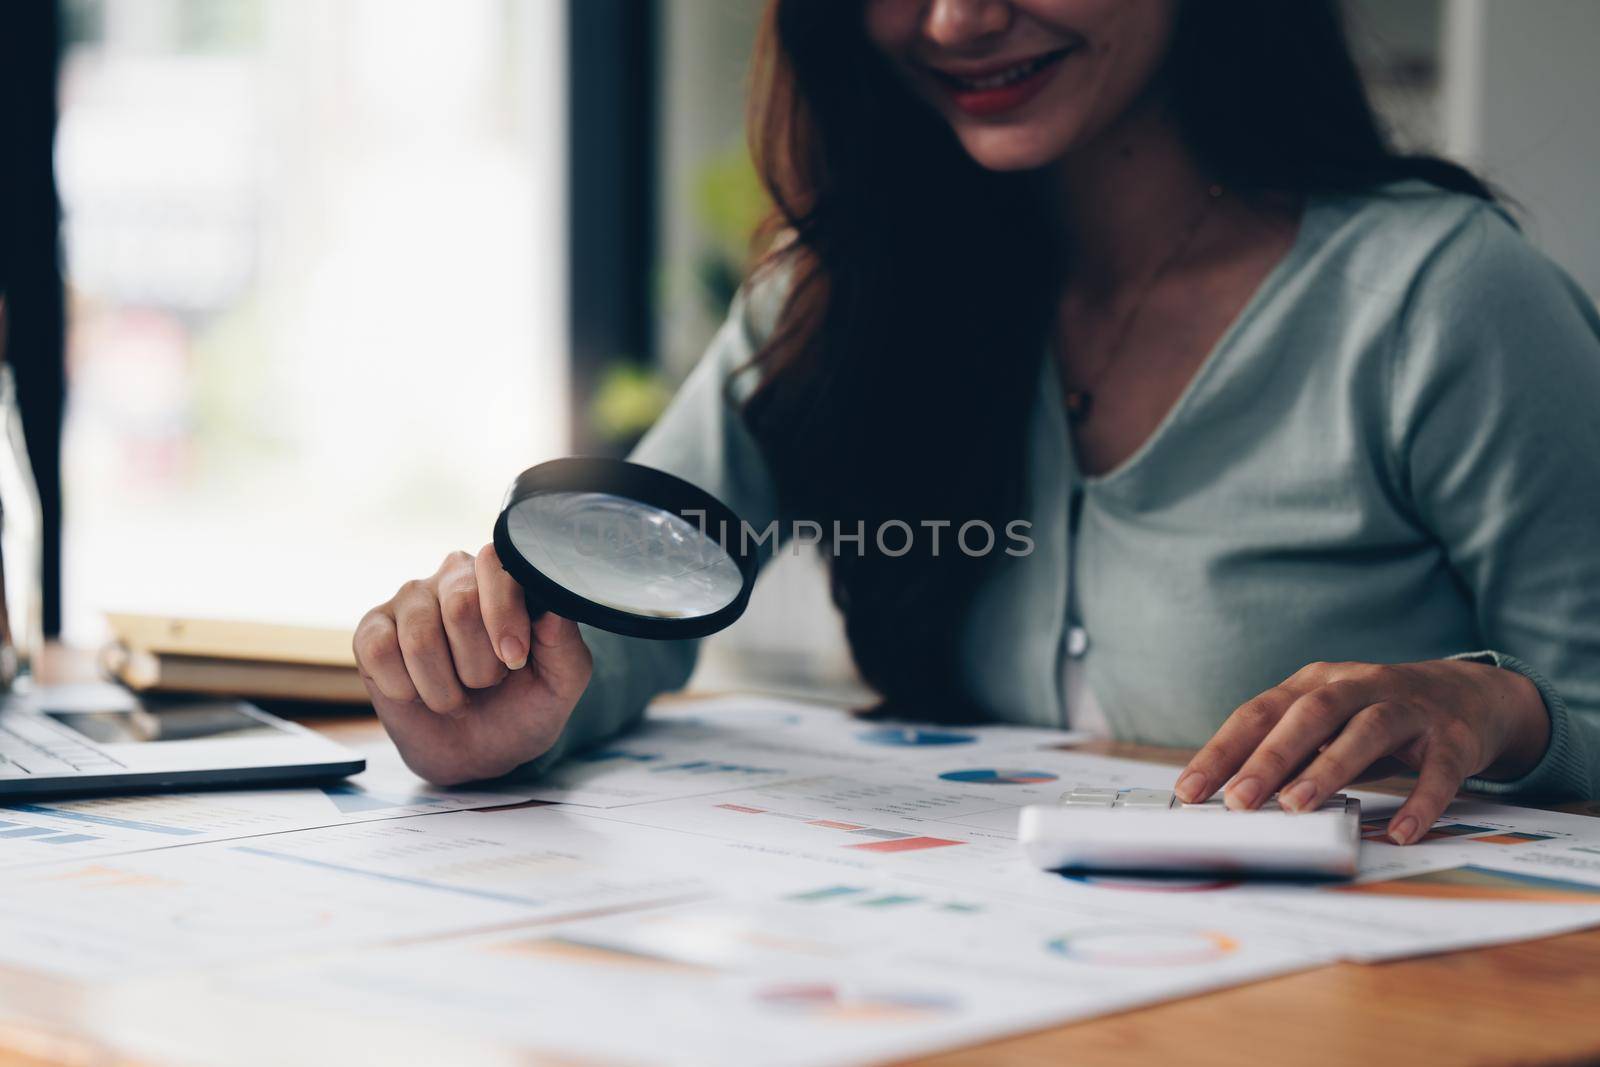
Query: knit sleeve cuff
1561	771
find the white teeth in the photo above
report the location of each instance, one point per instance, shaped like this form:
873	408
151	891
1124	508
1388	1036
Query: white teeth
1009	76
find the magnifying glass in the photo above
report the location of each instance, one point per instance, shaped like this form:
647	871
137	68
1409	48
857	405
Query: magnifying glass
625	548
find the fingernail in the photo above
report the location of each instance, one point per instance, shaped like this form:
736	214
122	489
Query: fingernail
1299	796
513	653
1402	832
1190	787
1244	794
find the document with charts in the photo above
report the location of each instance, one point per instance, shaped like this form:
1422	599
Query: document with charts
47	830
242	901
698	748
821	971
864	901
1486	874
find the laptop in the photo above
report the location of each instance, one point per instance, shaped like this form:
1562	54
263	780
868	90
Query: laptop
96	738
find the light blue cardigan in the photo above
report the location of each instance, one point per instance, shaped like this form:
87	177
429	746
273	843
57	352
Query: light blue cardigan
1393	454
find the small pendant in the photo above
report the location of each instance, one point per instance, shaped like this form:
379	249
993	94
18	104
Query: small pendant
1078	402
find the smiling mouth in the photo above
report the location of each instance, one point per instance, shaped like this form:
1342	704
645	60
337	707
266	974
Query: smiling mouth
1000	78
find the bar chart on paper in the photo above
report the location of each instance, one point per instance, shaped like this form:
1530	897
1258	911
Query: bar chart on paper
853	835
39	835
856	896
44	832
108	826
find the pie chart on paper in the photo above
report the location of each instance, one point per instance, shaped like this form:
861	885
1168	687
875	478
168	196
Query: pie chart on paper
913	737
998	776
1133	946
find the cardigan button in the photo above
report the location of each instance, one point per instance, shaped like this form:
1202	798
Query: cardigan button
1077	641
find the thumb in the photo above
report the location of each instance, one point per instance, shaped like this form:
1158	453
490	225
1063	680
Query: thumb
560	655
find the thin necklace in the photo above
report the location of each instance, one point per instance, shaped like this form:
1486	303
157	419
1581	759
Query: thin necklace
1079	399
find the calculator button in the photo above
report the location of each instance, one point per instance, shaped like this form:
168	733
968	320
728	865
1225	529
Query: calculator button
1145	798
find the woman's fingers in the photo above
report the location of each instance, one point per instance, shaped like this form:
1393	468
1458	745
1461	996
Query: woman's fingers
1375	732
1444	767
1339	721
505	610
1309	721
426	649
1232	744
477	664
377	648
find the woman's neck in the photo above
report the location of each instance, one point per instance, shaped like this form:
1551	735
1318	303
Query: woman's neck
1124	198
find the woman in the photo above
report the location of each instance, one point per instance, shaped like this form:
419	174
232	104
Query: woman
1306	433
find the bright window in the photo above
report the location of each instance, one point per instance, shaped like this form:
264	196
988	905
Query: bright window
316	261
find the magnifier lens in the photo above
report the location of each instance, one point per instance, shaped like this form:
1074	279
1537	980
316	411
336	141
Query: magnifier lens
624	554
624	548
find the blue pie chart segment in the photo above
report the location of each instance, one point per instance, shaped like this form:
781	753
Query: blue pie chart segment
998	776
913	737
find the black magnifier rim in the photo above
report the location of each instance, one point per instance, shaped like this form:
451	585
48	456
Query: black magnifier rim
644	485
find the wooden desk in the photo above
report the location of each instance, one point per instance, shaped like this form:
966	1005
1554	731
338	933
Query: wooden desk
1533	1002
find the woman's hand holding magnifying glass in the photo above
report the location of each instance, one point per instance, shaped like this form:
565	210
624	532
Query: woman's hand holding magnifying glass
467	686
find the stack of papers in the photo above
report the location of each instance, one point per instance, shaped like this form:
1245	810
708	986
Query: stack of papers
742	880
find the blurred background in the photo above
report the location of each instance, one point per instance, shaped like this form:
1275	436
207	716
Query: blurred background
336	270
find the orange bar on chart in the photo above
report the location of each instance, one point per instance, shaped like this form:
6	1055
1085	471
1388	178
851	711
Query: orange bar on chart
905	844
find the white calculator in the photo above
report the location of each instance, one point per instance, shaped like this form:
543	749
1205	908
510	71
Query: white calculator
1150	831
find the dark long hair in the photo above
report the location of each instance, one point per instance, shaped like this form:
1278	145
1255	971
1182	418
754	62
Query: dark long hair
921	288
